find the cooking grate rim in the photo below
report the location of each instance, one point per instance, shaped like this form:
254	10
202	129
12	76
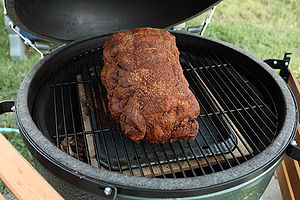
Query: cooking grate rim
233	110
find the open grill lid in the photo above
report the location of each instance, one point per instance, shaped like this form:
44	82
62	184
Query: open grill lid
68	20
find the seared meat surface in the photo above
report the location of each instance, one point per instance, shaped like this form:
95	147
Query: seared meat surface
147	91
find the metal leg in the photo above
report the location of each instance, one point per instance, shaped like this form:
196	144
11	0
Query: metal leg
205	23
201	28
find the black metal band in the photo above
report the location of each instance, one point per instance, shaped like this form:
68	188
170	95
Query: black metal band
293	152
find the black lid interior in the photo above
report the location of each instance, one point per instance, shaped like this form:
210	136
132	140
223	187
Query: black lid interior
67	20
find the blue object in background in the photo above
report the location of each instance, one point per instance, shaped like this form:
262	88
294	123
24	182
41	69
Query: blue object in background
27	35
16	44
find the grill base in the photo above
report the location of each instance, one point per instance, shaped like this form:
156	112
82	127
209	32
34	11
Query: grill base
251	190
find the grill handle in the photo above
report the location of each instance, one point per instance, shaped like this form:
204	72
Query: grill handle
7	106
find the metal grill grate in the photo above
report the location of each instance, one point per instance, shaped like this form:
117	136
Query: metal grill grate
236	122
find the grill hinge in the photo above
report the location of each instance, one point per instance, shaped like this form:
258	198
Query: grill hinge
200	29
281	64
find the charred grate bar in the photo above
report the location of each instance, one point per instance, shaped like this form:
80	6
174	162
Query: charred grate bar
237	120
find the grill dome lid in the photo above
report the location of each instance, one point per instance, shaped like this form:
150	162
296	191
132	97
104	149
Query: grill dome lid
68	20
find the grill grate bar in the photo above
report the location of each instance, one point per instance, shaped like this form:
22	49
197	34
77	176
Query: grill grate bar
250	128
208	66
88	122
208	145
86	64
73	125
138	160
235	121
197	160
71	83
177	160
206	158
220	134
229	111
216	113
210	149
159	164
64	120
99	88
211	103
81	120
148	160
215	82
239	79
102	132
235	80
95	99
126	153
225	126
225	95
238	92
201	115
186	159
167	159
217	145
55	115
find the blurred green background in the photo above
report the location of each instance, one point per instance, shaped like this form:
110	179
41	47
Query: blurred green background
265	28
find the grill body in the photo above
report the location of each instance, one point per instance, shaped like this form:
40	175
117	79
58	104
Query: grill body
261	109
250	190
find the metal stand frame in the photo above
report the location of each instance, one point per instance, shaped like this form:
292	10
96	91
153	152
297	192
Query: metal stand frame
202	28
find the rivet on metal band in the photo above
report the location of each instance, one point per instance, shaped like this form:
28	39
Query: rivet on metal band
13	108
107	191
294	143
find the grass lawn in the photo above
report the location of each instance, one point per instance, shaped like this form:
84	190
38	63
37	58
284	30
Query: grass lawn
11	75
265	28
